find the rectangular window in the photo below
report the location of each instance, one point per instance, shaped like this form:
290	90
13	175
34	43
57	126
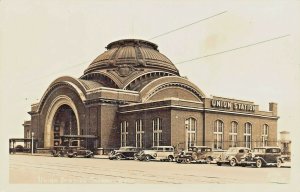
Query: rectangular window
124	134
157	132
139	133
247	135
218	134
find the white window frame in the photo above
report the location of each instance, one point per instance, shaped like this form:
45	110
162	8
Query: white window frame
233	134
157	131
124	133
139	133
219	142
191	132
265	134
248	135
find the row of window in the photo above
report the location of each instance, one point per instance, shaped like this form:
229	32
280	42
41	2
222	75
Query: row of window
191	128
219	129
157	133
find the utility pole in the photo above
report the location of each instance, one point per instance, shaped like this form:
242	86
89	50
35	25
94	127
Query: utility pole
32	134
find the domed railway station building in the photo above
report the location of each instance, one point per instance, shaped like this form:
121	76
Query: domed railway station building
133	95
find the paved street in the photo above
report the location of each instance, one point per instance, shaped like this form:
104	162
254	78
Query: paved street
26	169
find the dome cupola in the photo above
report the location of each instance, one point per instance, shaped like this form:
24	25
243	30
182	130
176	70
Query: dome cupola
127	59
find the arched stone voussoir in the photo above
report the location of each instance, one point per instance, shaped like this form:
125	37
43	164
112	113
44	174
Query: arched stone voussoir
163	83
66	81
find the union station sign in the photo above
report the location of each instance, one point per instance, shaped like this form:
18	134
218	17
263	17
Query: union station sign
232	105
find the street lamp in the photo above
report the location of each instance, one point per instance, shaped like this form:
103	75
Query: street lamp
32	134
186	123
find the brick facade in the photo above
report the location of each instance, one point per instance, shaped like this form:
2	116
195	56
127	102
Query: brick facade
136	82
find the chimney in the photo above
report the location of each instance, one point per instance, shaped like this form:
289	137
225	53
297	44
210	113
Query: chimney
273	108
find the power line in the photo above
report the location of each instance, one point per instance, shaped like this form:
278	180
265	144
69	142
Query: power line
149	39
234	49
55	72
187	25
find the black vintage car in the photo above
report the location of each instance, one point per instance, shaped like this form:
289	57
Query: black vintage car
263	156
196	154
79	151
58	151
124	153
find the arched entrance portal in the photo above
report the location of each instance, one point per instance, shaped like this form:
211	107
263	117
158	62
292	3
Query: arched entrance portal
62	115
64	123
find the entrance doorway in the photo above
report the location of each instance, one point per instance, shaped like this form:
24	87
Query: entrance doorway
64	123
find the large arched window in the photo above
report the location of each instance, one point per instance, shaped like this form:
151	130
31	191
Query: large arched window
124	133
157	131
191	131
233	134
248	134
265	133
139	138
218	134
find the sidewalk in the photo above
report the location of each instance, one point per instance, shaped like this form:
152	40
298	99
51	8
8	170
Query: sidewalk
101	156
50	155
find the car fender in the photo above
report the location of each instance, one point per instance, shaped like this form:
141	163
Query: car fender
232	157
262	159
281	159
120	155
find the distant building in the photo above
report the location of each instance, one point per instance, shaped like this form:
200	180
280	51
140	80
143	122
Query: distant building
285	142
133	95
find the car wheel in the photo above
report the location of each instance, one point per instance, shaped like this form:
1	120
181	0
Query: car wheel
209	160
119	157
147	158
278	163
219	164
258	163
135	158
243	165
188	160
170	158
232	162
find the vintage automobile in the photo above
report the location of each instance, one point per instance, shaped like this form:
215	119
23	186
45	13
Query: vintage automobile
196	154
124	153
232	156
58	151
263	156
162	153
79	151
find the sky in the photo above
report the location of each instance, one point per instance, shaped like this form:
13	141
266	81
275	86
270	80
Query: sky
43	40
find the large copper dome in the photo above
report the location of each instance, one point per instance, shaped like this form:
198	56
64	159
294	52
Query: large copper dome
126	60
132	52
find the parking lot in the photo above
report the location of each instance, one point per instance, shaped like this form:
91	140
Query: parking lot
37	169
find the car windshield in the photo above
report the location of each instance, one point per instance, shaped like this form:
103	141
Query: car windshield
259	150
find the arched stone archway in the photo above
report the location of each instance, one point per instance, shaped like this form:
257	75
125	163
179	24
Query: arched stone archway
60	104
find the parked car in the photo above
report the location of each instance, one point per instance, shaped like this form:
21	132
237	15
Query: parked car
124	153
79	151
263	156
196	154
58	151
162	153
232	156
